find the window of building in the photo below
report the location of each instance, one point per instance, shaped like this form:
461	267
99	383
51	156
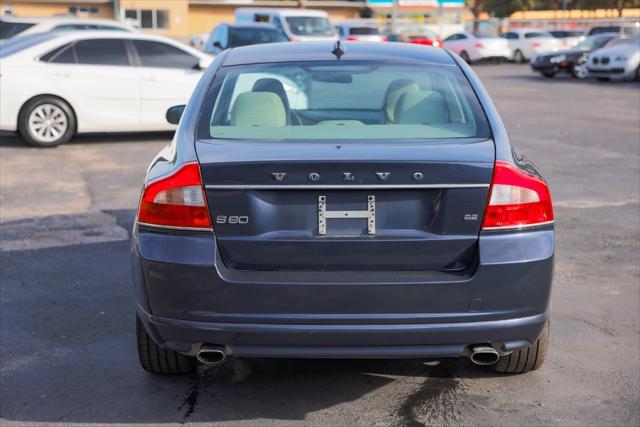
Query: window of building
83	10
148	18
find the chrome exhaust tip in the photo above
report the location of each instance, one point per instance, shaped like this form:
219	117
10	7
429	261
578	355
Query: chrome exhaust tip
211	356
484	355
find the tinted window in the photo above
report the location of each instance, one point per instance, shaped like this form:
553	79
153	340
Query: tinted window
248	36
535	35
10	29
509	36
344	101
162	55
63	55
363	31
309	26
102	52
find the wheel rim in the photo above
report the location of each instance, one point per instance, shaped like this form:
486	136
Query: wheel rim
48	122
580	71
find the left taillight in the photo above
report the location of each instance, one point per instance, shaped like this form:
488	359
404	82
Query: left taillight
516	199
177	200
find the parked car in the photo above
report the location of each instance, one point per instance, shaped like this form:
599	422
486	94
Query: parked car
93	81
571	61
474	48
297	24
527	43
357	31
226	36
423	37
618	60
390	218
12	26
567	38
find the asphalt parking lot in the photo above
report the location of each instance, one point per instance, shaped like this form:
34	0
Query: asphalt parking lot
67	340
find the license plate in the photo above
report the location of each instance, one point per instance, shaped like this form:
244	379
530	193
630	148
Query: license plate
324	214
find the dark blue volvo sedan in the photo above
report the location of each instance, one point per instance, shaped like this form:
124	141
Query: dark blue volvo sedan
356	200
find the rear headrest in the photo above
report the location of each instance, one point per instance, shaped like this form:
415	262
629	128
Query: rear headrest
272	85
395	90
258	109
423	107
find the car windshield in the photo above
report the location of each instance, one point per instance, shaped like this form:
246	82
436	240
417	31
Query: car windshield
309	26
10	29
346	101
248	36
363	31
17	44
593	43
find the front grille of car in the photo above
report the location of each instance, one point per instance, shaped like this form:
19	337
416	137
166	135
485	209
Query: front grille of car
617	70
596	60
605	60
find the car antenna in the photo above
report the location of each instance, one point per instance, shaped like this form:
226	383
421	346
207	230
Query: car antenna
338	49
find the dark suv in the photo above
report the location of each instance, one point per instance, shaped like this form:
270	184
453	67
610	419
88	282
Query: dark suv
355	200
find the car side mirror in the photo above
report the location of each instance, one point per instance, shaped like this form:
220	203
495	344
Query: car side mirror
175	113
218	44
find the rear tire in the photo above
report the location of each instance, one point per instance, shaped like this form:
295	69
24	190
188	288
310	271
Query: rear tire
465	57
526	359
518	57
46	121
158	360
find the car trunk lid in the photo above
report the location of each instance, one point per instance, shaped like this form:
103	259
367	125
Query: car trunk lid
322	206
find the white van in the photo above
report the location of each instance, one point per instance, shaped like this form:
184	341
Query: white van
297	24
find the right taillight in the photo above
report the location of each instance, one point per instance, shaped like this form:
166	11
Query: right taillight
516	199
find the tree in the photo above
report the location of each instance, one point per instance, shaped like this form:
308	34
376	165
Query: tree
476	7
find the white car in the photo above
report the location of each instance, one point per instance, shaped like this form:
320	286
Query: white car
359	31
618	60
57	84
527	43
12	26
299	25
473	48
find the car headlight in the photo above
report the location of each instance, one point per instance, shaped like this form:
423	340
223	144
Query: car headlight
558	58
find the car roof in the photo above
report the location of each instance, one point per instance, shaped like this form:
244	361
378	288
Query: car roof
321	51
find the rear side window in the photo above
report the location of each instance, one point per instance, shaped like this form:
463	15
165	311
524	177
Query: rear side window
102	52
346	101
163	55
65	54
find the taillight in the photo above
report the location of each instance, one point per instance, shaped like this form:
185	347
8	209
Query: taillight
479	45
436	43
177	200
352	38
537	45
384	39
516	199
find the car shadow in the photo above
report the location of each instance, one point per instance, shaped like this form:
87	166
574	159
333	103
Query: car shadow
68	355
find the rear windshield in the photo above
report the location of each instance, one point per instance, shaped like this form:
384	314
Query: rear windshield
10	29
248	36
341	101
363	31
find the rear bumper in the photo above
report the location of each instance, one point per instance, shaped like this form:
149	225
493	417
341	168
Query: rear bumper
345	341
187	298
